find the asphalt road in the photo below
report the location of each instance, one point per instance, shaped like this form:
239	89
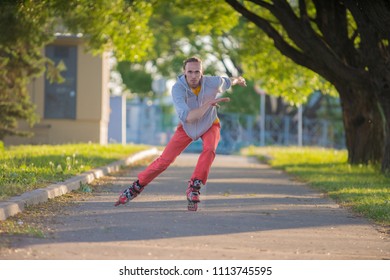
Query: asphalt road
248	211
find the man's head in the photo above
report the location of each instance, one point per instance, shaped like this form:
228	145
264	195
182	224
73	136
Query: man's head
193	71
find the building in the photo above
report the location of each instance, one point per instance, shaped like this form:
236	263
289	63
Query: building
76	110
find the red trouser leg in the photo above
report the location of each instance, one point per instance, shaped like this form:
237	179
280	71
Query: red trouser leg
210	142
175	147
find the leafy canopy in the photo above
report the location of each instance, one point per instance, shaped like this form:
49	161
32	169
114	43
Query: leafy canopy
28	25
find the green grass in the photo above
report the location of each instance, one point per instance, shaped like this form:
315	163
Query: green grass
362	188
25	168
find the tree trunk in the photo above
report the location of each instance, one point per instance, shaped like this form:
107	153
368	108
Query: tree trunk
385	101
363	125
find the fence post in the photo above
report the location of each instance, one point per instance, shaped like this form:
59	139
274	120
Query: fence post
262	119
300	125
325	133
286	130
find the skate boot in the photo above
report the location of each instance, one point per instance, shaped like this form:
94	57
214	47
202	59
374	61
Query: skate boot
193	193
130	193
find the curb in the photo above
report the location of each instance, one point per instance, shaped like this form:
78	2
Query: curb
16	204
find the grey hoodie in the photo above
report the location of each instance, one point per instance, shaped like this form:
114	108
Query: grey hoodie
185	100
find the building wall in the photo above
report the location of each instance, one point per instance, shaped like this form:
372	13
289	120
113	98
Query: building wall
92	104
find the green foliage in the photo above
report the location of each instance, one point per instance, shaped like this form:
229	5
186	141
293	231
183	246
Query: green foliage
20	60
243	100
22	20
25	168
28	25
13	108
273	72
110	25
136	78
214	20
185	28
218	34
363	187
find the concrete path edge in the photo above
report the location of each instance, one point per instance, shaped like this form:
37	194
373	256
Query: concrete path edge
17	204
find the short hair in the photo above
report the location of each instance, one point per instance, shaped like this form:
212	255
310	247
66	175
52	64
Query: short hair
191	59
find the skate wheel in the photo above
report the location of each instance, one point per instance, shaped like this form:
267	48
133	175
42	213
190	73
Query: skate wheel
192	206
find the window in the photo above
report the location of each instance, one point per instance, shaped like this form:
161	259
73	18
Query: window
60	99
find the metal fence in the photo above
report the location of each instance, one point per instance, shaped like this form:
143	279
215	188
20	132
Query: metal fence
147	124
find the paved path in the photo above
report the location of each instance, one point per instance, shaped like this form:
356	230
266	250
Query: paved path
248	211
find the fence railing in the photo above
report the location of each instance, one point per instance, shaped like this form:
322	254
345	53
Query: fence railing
147	125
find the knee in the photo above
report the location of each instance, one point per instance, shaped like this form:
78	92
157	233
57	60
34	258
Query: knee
164	163
209	149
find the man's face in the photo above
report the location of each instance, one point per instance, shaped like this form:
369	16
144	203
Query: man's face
193	73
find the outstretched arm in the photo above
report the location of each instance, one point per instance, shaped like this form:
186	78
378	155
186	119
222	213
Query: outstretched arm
196	114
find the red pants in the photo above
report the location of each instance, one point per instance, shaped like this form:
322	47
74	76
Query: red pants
175	147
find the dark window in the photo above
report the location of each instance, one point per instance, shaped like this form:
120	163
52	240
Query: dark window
60	99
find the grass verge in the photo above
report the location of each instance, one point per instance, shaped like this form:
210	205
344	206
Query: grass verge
25	168
39	220
362	188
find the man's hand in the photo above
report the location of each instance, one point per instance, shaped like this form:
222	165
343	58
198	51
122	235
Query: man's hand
217	100
238	81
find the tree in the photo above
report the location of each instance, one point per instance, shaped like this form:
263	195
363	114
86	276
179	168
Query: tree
344	43
20	61
323	43
28	25
136	79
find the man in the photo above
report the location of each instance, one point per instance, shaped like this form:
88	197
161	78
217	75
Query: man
195	100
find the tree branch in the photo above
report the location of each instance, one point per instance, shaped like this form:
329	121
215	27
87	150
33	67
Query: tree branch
262	3
264	25
302	9
314	52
